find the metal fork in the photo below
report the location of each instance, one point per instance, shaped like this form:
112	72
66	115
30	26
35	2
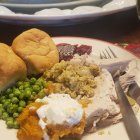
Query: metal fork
129	118
107	53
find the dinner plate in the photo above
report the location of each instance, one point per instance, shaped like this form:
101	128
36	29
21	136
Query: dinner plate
66	15
114	132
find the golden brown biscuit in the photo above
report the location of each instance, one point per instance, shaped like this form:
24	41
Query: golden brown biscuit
37	49
12	67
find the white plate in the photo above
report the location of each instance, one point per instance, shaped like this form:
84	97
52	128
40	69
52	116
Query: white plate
113	132
67	16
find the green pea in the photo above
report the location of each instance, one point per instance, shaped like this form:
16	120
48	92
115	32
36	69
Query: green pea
14	100
3	110
10	118
22	103
3	101
38	83
36	88
2	98
9	109
10	123
26	84
6	96
40	79
44	83
21	87
19	83
28	89
14	88
20	109
41	87
22	91
21	96
6	103
15	115
5	115
9	90
33	93
32	97
41	94
15	108
27	94
17	93
11	95
9	100
31	89
1	105
32	80
16	125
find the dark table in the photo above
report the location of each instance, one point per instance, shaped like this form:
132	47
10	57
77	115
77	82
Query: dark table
120	27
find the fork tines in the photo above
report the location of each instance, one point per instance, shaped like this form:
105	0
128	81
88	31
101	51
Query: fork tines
107	54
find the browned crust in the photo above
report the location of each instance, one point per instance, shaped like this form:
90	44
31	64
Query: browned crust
37	49
12	67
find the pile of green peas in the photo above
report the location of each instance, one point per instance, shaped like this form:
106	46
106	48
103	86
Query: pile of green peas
16	98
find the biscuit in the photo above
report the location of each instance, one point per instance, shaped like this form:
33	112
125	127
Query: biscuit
12	67
37	49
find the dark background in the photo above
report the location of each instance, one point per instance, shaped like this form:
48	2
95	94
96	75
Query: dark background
121	27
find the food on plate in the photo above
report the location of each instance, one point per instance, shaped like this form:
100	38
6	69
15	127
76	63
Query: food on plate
74	79
51	118
15	99
130	77
67	51
37	49
103	109
63	99
12	67
112	65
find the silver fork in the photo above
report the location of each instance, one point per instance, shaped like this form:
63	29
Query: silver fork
129	118
107	54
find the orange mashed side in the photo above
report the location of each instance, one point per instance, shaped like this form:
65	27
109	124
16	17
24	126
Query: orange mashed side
30	129
59	131
28	120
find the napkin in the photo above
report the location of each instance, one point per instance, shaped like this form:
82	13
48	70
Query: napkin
134	48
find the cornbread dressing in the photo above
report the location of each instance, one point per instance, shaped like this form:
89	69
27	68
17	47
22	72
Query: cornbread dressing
74	79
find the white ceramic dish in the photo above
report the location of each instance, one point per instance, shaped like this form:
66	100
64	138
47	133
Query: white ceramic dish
113	132
33	1
67	16
30	8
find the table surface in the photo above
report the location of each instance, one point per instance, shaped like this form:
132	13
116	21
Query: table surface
122	27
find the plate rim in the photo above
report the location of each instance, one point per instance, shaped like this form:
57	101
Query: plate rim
103	41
